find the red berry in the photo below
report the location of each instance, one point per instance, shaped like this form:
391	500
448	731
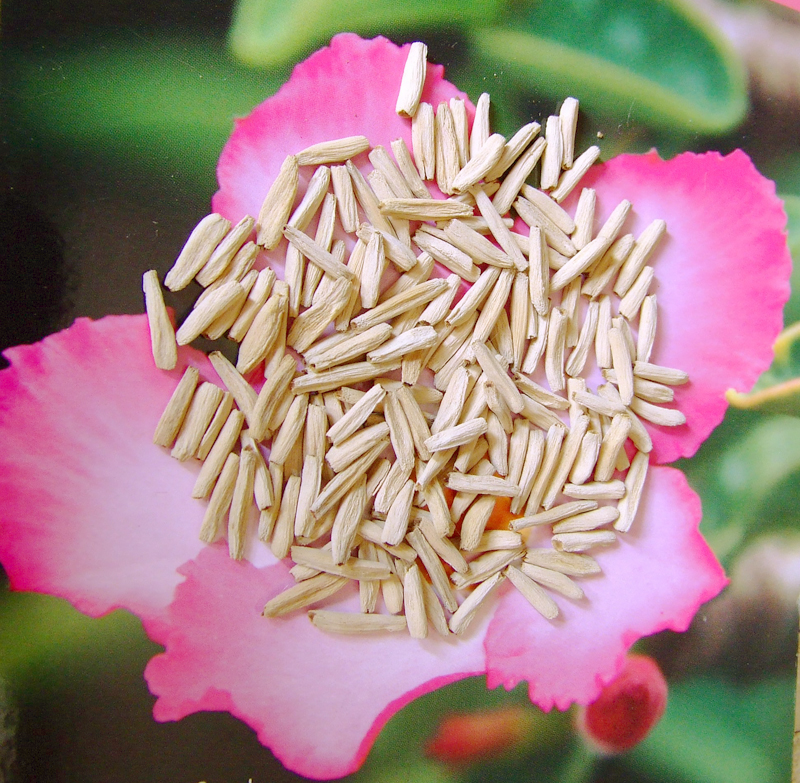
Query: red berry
627	708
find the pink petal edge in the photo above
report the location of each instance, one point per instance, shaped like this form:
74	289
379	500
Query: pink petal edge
322	101
317	700
793	4
654	578
722	275
90	509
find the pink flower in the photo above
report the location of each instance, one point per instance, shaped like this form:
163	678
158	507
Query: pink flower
91	511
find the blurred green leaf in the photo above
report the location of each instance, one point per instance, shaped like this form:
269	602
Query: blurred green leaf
402	742
151	100
660	63
739	476
778	389
270	32
411	728
38	632
791	312
719	732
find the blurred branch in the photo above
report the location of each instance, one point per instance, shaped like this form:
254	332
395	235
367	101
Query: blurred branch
8	731
796	740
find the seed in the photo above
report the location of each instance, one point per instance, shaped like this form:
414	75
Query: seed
332	151
345	622
568	117
201	243
480	125
172	418
570	178
511	186
480	164
220	500
414	602
204	405
551	163
533	593
162	333
354	489
308	592
465	613
554	580
241	502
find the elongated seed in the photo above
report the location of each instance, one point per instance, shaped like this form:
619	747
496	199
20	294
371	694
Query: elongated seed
201	243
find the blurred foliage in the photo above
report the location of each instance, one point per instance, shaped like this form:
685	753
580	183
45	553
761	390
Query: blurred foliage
47	630
548	747
718	732
654	63
149	92
657	63
267	33
750	486
153	100
791	313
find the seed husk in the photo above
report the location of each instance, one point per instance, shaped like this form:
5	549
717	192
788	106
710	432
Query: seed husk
201	243
335	151
532	593
308	592
220	500
331	621
205	402
410	324
465	614
162	333
172	418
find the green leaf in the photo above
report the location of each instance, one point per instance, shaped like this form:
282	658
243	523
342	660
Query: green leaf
791	313
778	389
649	61
154	101
741	477
718	732
269	32
38	632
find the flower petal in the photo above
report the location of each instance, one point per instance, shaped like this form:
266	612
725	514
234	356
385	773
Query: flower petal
654	578
722	270
318	700
793	4
346	89
90	509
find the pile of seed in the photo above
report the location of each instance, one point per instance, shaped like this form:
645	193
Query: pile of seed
412	415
